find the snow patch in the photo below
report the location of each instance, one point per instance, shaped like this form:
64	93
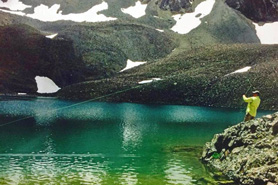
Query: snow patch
14	5
189	21
21	94
157	17
51	14
243	70
13	12
136	11
130	64
51	36
159	30
46	85
149	81
268	33
46	14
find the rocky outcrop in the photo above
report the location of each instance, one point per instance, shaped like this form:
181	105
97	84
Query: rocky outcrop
25	53
256	10
246	152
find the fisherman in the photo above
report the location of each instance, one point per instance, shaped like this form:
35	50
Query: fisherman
253	104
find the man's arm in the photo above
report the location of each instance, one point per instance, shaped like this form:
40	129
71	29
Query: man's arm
248	100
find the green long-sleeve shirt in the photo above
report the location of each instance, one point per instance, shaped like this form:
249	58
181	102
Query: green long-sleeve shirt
253	104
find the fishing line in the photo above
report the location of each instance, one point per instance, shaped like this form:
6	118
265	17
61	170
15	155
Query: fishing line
86	101
83	102
74	105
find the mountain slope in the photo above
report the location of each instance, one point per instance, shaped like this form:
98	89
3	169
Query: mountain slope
106	47
25	53
101	50
193	78
222	26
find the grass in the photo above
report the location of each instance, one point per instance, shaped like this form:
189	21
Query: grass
193	78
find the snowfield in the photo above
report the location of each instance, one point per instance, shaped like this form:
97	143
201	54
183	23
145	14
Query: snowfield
137	11
14	5
242	70
51	14
130	64
187	22
46	85
149	81
51	36
268	33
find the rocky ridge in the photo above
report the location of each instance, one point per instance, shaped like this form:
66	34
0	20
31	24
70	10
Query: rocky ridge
246	152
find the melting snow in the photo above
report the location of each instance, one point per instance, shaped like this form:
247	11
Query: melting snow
14	5
44	13
21	94
13	12
159	30
136	11
187	22
51	36
149	81
46	85
268	33
130	64
243	70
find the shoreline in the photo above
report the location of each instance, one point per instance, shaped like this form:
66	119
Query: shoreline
54	96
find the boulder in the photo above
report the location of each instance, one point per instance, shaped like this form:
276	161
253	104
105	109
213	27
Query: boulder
256	161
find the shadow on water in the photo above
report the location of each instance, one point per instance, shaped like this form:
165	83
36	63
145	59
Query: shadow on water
105	143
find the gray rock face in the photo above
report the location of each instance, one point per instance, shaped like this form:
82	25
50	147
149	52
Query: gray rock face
247	152
256	10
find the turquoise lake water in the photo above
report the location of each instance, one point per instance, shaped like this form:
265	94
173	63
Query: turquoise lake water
106	143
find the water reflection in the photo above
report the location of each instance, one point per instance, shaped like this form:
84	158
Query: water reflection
176	172
129	175
57	170
132	127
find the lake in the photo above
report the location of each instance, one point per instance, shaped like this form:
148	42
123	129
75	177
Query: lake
61	142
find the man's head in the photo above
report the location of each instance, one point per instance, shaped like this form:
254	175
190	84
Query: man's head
256	93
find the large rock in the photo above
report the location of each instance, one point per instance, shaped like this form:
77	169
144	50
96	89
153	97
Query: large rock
246	152
257	10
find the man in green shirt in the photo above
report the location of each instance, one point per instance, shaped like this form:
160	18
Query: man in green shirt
253	104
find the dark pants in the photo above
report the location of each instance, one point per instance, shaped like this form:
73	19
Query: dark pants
248	117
